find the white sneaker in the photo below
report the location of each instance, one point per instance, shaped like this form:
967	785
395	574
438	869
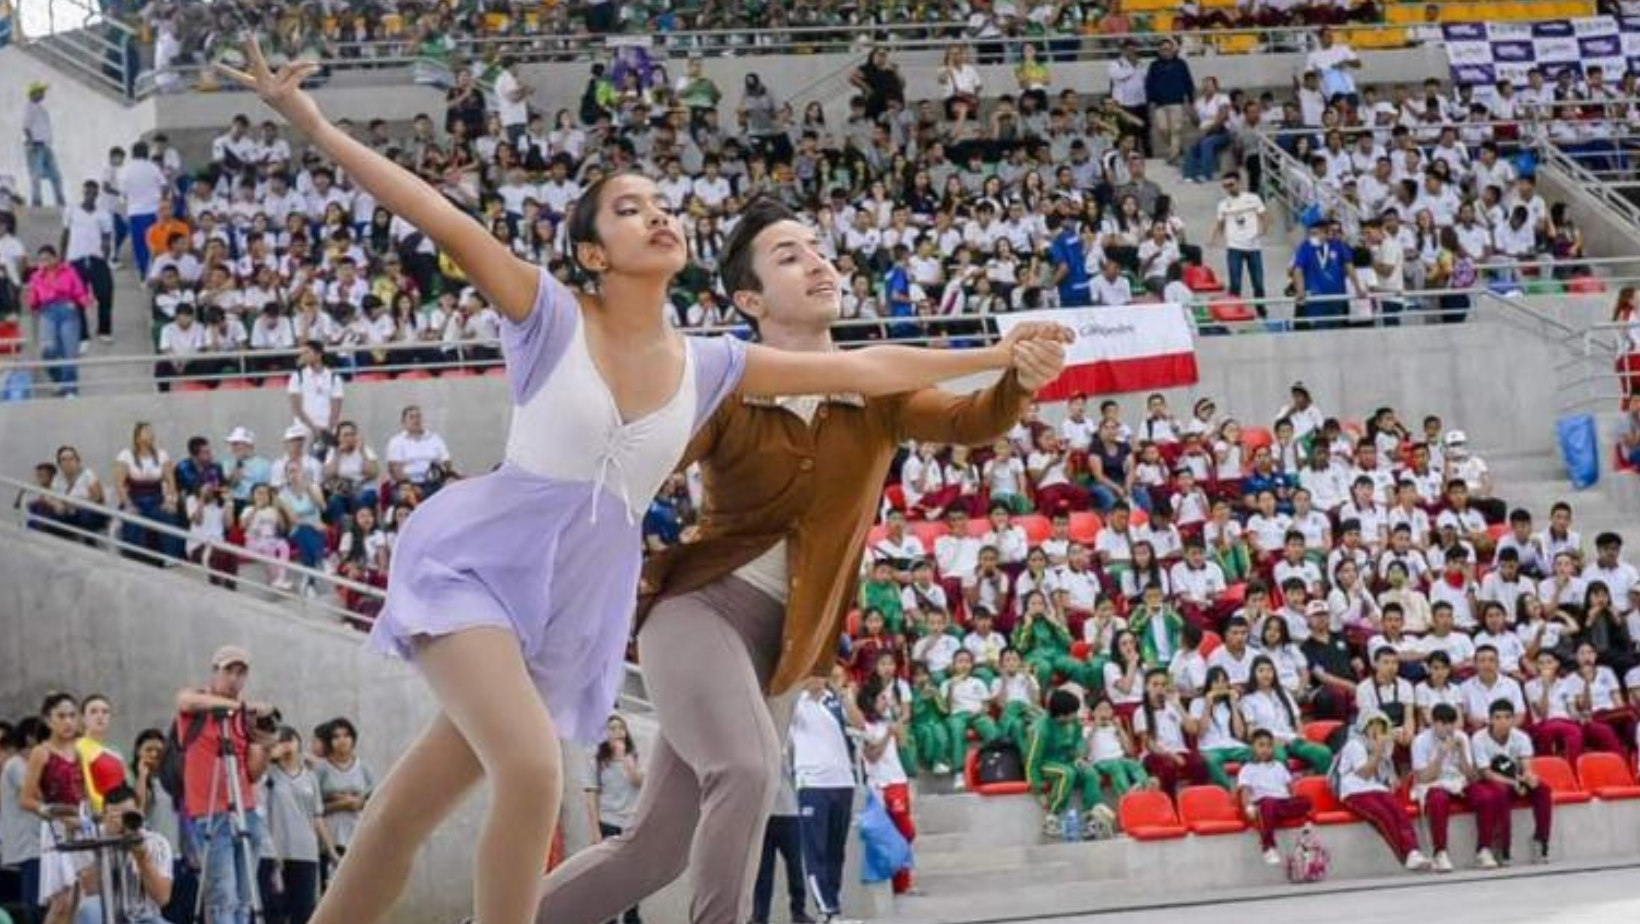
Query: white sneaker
1484	858
104	338
1052	827
283	584
942	769
1272	857
958	784
1540	852
1417	861
1443	863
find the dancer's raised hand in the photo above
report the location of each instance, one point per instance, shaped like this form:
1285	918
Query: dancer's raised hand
282	91
1038	362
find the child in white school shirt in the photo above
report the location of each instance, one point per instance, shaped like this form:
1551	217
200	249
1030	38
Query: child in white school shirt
1264	788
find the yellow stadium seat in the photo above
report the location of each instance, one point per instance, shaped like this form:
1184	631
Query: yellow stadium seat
1237	44
392	25
1402	14
495	22
1162	22
1147	6
1218	4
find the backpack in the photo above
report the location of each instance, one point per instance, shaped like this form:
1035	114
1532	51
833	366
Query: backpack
173	759
999	763
1309	860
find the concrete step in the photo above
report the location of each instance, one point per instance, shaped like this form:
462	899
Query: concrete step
984	879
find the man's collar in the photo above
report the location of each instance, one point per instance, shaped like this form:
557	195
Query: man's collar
852	399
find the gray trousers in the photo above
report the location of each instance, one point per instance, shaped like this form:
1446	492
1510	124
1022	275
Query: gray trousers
712	776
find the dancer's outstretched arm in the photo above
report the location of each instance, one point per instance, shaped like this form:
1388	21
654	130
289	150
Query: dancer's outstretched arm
887	370
508	282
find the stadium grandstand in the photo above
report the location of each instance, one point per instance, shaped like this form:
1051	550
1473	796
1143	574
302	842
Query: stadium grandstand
1346	452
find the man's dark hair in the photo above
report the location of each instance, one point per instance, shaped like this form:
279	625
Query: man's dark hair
735	263
1062	703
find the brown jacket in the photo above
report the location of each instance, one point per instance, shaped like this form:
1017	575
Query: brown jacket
769	476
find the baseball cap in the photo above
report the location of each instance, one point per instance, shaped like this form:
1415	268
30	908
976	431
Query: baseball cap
229	655
1316	608
1457	438
242	435
296	432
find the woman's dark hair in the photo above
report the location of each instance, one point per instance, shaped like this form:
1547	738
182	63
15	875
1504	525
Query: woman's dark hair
1281	623
583	220
1145	704
1276	688
1116	649
29	731
605	754
143	737
866	699
340	724
55	699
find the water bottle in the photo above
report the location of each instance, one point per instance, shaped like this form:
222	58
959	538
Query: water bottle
88	827
1070	826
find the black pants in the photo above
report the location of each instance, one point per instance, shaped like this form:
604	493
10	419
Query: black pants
294	903
631	915
824	823
1142	113
98	277
782	837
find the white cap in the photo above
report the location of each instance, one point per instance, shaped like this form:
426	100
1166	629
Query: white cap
1457	438
296	432
242	435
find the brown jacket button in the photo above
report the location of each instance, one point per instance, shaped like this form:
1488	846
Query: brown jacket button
805	465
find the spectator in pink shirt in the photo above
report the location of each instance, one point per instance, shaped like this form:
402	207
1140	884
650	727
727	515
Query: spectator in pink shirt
56	295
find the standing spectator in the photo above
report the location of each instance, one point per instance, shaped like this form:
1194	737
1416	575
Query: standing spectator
884	727
464	108
960	82
879	82
1170	90
1240	223
511	100
227	894
1627	314
296	826
823	764
88	234
13	266
1128	90
1070	263
58	299
612	789
145	483
1335	61
316	395
345	782
759	115
53	789
416	455
144	186
1319	272
37	138
698	92
782	836
19	828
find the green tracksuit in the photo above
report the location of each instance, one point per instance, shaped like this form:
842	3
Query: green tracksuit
958	723
885	599
1053	761
1124	774
1046	646
929	738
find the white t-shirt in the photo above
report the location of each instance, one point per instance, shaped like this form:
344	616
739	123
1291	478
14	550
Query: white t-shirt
1264	710
1427	748
1351	759
1239	669
936	651
512	113
1517	747
150	469
1241	215
886	770
317	389
86	231
820	755
1268	780
1169	731
417	454
144	185
1478	697
967	695
1215	733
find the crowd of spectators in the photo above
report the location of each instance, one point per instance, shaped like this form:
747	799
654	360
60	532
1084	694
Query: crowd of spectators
60	771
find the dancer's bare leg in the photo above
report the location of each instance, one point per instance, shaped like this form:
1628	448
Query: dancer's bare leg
504	732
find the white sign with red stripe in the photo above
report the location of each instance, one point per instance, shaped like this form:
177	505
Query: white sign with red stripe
1131	348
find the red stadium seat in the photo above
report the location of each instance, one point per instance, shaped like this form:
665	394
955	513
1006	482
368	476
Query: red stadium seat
927	532
1080	649
1585	285
1201	279
415	375
373	377
876	534
1325	809
1210	810
496	372
275	382
1255	438
895	497
1320	730
1210	642
1236	593
1037	527
1231	310
978	526
1607	776
1146	815
193	386
1085	526
236	385
459	374
1557	774
970	774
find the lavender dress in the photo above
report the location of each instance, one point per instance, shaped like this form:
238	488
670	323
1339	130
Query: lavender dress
550	544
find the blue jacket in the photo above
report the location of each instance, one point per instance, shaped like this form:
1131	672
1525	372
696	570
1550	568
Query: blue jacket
1168	82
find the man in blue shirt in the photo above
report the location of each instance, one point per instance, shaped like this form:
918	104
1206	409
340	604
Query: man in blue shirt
1070	263
897	293
1320	274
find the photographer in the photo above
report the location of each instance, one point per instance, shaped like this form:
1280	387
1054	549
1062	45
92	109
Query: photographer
147	873
202	715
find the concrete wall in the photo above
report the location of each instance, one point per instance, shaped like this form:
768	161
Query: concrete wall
1456	371
86	122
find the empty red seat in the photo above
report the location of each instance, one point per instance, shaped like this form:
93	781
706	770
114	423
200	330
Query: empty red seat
460	373
1210	643
1201	279
1320	730
373	377
1085	526
1230	309
415	375
1255	438
236	385
1607	776
193	386
496	372
275	382
1210	810
1325	808
895	496
927	532
1557	774
1585	285
1147	815
1037	527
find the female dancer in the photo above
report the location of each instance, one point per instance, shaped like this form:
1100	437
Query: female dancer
513	591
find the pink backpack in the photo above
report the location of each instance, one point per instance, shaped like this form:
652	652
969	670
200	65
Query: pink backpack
1309	859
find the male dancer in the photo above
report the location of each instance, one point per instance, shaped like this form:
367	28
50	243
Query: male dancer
755	605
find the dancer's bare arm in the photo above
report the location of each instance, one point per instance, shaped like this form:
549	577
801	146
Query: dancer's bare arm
885	370
936	415
508	282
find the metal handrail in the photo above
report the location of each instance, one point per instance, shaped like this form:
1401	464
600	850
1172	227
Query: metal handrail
633	695
89	50
1551	157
